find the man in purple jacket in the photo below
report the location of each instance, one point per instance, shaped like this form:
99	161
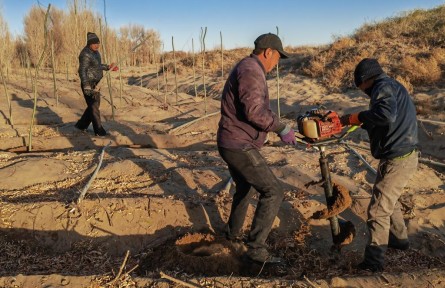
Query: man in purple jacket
246	118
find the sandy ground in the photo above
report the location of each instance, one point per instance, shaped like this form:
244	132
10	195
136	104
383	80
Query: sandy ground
161	194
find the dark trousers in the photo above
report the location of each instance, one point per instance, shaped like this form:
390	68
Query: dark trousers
249	170
91	114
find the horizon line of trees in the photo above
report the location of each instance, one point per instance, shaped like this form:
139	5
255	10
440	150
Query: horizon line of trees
67	32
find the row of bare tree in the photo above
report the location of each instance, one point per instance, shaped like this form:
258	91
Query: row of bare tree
67	32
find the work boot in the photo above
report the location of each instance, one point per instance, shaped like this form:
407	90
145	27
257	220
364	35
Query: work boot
80	128
261	255
101	132
237	242
399	244
370	267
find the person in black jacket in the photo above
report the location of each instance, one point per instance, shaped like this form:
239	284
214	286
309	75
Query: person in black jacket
90	73
392	128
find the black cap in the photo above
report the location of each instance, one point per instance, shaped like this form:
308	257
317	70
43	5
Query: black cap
270	41
367	68
92	38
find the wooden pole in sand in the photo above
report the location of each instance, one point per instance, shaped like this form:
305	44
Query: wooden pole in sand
278	86
53	63
174	65
203	50
34	80
7	96
222	56
194	69
110	91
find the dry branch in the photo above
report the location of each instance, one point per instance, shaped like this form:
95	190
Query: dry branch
34	82
361	158
121	268
432	121
186	284
11	122
421	160
87	186
172	131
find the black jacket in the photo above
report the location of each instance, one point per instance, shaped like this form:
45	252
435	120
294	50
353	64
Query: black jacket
391	119
90	67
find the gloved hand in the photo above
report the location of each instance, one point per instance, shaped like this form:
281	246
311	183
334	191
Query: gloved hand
350	119
113	67
90	92
287	135
95	95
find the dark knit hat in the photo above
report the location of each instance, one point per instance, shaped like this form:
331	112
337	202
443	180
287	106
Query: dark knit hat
367	68
92	38
270	41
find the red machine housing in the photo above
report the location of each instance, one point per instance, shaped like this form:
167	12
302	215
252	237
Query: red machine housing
319	125
330	126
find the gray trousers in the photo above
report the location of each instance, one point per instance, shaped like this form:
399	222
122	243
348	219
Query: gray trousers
384	212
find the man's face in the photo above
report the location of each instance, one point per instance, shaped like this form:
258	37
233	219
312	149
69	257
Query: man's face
272	56
366	85
95	47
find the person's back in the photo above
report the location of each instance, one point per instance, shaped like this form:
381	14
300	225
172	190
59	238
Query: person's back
246	116
394	129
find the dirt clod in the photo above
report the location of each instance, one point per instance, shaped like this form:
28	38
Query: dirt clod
342	201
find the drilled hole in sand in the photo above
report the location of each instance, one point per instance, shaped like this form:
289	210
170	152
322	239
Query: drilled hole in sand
201	245
196	253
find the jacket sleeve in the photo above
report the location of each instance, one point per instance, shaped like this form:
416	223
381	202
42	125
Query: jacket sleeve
83	67
252	95
383	108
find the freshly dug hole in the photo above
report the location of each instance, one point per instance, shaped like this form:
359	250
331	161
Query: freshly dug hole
195	254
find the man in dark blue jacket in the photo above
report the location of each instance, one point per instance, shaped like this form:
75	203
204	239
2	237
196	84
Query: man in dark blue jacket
392	128
246	118
90	73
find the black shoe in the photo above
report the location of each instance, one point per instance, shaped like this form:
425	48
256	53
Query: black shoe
80	128
370	267
402	245
396	243
101	133
260	255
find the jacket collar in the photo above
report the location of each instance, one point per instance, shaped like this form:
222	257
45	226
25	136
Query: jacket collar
259	62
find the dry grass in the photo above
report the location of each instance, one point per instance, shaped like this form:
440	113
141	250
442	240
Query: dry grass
410	47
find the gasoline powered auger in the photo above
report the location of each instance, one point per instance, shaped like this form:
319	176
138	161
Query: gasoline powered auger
320	128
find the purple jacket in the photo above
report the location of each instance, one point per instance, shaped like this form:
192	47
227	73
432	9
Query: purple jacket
245	109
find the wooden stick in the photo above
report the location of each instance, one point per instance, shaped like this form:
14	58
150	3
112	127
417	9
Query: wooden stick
421	160
122	267
186	284
361	158
191	122
227	186
85	189
310	282
432	121
429	134
208	219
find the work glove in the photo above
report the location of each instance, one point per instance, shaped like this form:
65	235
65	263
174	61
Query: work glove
287	135
113	67
350	119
